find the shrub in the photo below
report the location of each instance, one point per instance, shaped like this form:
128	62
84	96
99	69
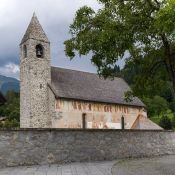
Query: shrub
9	124
165	122
173	120
156	105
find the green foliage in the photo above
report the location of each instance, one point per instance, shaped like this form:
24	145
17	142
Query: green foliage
156	105
157	83
128	96
171	118
155	119
173	121
142	29
10	110
165	122
172	105
10	124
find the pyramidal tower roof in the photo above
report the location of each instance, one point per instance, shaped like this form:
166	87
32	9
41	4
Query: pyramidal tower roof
35	31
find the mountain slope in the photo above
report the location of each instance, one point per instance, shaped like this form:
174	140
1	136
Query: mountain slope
8	84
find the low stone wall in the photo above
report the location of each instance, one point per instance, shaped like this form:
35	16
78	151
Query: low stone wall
45	146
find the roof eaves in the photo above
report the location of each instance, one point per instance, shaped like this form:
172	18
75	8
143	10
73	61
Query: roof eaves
97	101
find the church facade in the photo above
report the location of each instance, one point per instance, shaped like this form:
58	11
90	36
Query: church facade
52	97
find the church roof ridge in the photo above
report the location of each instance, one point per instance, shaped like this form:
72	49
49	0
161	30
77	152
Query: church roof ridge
86	72
34	31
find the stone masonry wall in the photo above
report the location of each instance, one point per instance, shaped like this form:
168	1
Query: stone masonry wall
45	146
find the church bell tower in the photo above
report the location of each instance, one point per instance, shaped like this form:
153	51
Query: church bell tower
35	74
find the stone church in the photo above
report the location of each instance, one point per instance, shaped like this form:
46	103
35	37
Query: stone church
52	97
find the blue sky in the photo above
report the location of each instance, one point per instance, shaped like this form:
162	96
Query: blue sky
54	15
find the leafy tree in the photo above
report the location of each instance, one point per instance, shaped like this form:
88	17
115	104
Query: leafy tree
10	124
142	29
165	122
156	106
173	121
11	110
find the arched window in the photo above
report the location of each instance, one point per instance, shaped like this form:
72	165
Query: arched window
25	51
39	51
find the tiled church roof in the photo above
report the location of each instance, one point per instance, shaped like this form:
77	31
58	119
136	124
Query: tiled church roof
79	85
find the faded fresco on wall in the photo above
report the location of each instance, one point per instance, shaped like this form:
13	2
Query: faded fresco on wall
70	113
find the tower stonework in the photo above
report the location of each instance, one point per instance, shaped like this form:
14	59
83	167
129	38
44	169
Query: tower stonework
35	75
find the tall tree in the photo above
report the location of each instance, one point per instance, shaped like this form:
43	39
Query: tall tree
138	28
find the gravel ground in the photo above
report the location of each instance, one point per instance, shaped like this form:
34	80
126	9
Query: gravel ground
147	166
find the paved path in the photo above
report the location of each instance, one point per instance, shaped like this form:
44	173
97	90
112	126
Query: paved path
98	168
147	166
154	166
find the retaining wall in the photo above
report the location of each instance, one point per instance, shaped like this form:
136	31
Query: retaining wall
45	146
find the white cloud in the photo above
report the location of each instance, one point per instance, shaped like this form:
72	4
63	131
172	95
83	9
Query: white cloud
14	12
10	70
55	17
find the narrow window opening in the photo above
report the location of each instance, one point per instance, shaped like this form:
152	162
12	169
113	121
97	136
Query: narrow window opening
25	51
39	51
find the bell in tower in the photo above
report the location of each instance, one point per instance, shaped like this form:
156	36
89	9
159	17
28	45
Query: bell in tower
39	51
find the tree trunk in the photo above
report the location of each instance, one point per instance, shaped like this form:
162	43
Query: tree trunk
170	71
169	61
174	86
